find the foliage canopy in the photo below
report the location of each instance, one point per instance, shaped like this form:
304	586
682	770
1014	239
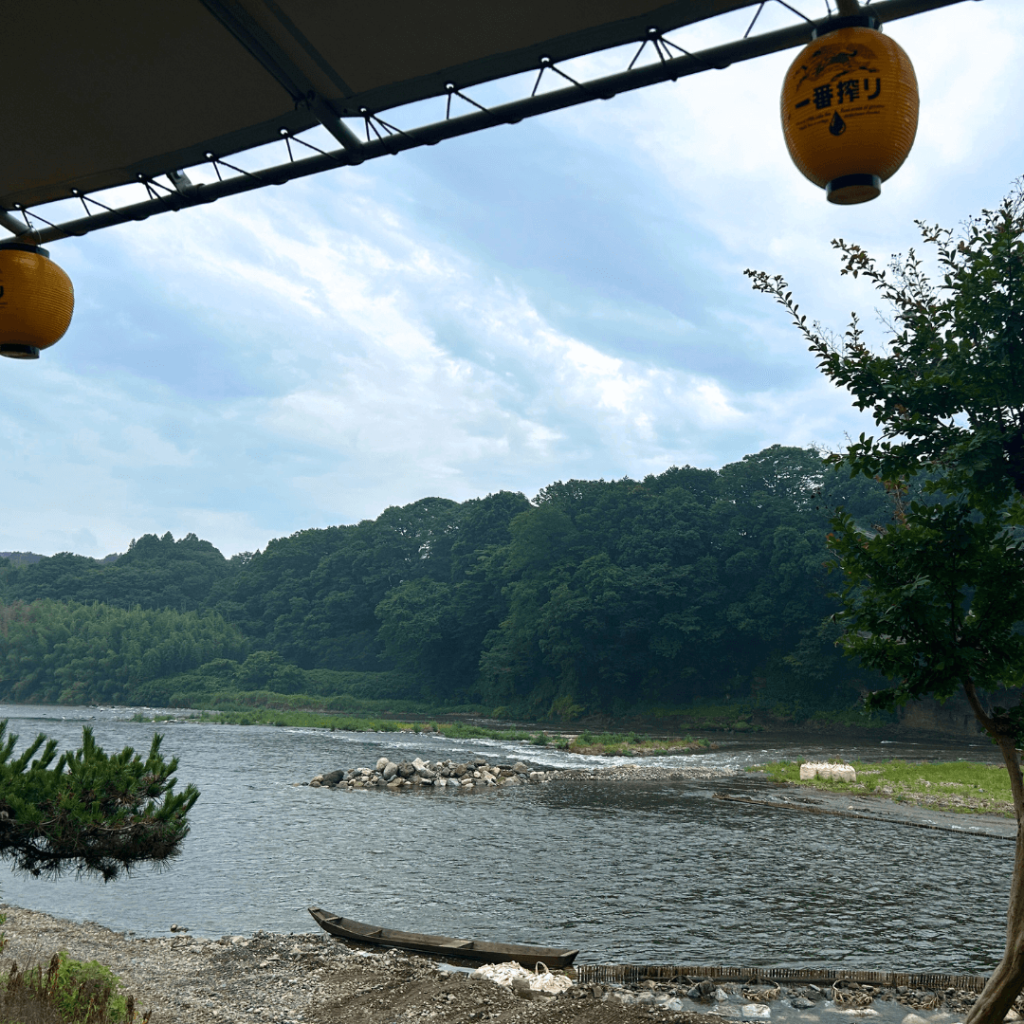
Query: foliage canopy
89	812
947	391
934	599
604	596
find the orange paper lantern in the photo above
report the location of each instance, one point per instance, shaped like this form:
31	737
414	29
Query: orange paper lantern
36	301
849	109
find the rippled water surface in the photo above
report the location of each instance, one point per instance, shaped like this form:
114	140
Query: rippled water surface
634	872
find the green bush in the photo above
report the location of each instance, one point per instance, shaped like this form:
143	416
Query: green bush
68	992
82	988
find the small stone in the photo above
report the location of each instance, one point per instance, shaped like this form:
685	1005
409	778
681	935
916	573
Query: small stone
382	763
801	1003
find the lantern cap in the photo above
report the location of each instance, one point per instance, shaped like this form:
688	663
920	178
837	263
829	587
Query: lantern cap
24	247
16	350
850	21
851	189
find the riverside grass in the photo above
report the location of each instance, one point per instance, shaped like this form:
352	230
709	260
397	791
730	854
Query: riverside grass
964	787
615	745
605	744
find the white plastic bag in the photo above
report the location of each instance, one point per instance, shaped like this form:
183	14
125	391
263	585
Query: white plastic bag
512	975
835	771
553	984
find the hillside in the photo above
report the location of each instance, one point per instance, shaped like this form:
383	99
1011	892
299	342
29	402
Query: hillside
596	597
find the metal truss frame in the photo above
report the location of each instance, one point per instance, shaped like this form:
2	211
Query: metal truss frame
383	138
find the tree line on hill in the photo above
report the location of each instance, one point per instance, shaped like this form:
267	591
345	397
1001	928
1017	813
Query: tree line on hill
597	596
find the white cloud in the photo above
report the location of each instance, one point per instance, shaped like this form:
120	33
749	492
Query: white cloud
561	299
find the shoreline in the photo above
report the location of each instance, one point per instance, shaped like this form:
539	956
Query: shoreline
301	979
875	808
962	789
310	978
684	736
541	736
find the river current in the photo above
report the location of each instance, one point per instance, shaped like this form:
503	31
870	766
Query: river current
655	872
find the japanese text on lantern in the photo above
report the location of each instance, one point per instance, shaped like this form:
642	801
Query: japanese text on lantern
848	90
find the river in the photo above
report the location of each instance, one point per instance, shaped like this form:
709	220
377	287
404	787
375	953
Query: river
626	872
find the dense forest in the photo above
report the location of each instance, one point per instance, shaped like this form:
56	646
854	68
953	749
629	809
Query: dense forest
595	597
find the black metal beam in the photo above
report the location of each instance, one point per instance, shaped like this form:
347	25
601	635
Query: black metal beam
269	55
718	57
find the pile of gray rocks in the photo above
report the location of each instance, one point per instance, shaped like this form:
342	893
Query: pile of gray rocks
473	773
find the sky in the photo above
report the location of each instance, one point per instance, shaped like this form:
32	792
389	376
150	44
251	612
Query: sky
559	299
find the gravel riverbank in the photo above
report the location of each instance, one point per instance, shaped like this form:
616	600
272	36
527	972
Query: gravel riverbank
312	979
302	979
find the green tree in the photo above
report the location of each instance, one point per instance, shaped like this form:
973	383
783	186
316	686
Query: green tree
934	599
62	651
687	585
90	812
155	572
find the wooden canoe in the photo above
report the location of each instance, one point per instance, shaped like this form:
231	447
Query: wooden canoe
490	952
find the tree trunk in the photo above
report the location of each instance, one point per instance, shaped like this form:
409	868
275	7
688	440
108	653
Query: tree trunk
1007	980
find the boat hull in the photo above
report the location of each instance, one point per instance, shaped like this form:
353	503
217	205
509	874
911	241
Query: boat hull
442	945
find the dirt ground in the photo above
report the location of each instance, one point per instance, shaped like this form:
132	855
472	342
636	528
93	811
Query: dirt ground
300	979
411	989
